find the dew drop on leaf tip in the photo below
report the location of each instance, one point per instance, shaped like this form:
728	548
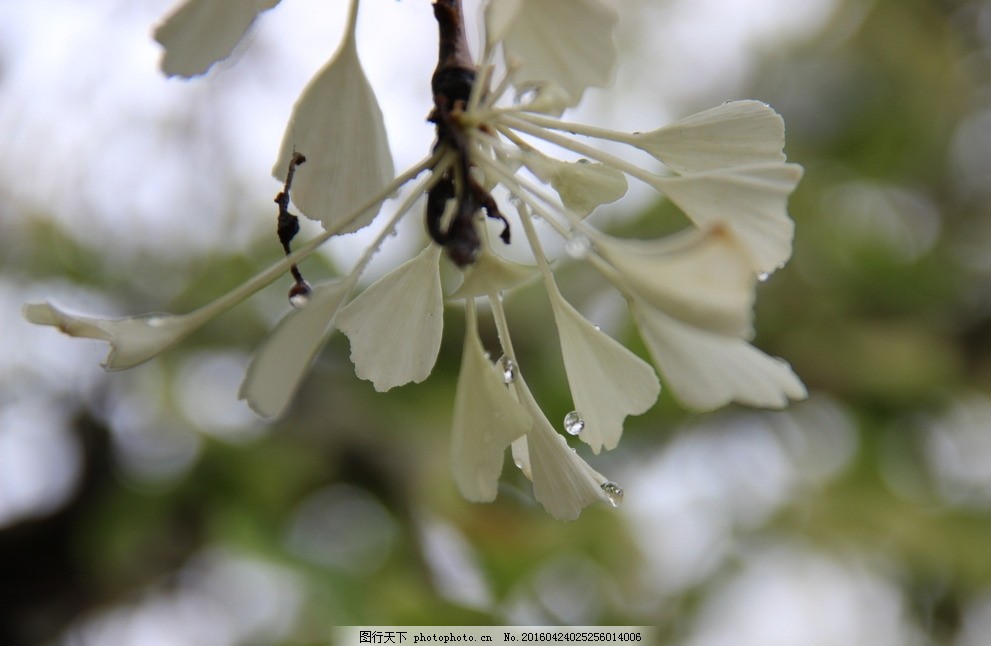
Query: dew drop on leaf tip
614	492
299	295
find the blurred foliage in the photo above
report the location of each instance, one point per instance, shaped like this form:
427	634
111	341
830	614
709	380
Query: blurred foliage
884	308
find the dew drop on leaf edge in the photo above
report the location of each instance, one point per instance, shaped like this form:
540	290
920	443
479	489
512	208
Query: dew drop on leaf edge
573	423
508	367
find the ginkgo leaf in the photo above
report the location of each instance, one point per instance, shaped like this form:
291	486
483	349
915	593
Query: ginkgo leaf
737	133
133	340
337	126
706	370
136	339
751	201
491	275
562	482
582	186
569	43
395	326
201	32
700	277
608	382
486	420
281	361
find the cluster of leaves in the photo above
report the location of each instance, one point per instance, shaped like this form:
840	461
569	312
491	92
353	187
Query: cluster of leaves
887	318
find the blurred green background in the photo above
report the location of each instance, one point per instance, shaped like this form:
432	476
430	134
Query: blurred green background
150	507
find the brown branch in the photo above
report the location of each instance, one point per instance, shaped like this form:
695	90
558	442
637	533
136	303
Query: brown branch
452	84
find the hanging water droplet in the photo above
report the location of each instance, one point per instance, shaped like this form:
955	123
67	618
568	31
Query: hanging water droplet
299	294
508	369
573	423
762	276
515	200
578	247
614	492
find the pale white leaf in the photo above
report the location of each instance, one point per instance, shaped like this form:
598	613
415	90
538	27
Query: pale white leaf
562	482
751	201
337	125
283	358
706	370
136	339
608	382
582	185
395	326
486	420
133	340
700	277
567	42
738	133
491	274
201	32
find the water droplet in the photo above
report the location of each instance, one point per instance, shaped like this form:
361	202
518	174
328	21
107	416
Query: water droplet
515	200
614	492
573	423
526	94
508	369
578	247
762	276
299	295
